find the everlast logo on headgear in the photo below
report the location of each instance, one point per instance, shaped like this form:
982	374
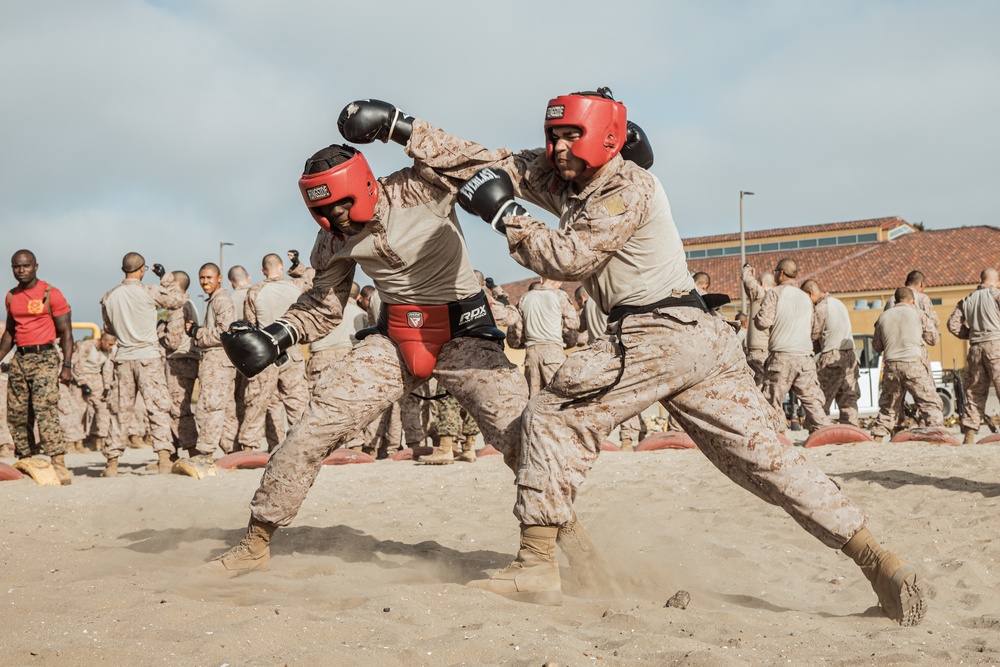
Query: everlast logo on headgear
555	111
318	192
484	176
414	319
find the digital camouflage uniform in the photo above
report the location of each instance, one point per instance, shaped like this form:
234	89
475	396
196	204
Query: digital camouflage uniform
548	324
216	415
837	367
925	307
276	394
5	438
33	399
453	420
130	311
414	252
182	362
900	333
977	319
756	342
786	312
618	238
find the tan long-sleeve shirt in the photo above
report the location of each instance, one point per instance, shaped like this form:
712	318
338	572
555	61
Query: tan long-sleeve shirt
787	313
978	314
129	312
901	332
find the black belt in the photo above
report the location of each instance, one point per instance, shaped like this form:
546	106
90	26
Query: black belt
33	349
706	302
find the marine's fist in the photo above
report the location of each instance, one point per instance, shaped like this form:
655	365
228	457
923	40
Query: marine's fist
490	195
293	255
158	270
364	121
637	147
252	349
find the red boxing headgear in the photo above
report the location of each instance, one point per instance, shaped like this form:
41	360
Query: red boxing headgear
352	178
601	121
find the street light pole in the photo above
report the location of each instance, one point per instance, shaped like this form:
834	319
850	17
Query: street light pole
743	255
222	244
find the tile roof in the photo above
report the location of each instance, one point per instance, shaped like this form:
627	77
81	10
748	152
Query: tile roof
882	223
946	256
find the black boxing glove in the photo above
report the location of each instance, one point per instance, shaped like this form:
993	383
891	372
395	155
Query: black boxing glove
637	147
490	283
85	389
158	270
294	256
252	349
193	330
490	195
364	121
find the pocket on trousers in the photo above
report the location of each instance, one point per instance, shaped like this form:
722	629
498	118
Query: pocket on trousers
531	479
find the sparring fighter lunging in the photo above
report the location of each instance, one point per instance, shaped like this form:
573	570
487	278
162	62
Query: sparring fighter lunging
616	235
435	320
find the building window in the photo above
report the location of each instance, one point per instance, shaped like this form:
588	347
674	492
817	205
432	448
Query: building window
768	247
695	254
867	238
753	248
899	231
807	243
847	240
788	245
830	240
715	252
733	250
935	302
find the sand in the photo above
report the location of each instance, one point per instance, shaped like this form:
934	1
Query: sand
372	571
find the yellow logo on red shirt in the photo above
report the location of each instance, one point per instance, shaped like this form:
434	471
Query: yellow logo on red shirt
36	306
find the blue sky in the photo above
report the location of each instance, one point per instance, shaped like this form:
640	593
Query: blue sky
168	127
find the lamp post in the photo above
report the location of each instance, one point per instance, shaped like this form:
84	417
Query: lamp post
222	244
743	255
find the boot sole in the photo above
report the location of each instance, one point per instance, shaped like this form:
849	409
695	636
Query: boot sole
907	602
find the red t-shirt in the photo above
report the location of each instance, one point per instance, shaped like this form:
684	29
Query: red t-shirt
33	325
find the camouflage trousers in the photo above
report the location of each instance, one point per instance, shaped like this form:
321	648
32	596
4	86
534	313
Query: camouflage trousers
898	378
97	421
33	398
983	370
633	429
134	377
838	373
691	362
369	380
5	438
181	375
216	414
540	364
798	372
318	362
454	420
72	412
273	396
756	359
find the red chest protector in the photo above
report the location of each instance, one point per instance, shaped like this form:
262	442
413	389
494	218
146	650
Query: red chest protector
421	331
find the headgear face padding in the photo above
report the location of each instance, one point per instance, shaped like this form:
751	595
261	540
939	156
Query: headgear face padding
601	121
352	178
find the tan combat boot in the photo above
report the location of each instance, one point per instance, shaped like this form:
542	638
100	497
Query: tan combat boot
627	445
970	435
110	468
899	590
252	554
62	472
164	462
468	450
534	575
442	454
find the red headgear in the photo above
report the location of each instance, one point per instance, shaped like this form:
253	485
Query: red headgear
353	178
601	121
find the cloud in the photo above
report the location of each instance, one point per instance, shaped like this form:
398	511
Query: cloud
168	127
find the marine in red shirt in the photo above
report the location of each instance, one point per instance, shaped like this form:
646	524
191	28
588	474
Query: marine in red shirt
37	315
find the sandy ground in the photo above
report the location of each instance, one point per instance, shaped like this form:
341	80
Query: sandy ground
372	571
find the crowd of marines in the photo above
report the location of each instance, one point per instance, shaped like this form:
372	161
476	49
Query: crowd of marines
429	326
